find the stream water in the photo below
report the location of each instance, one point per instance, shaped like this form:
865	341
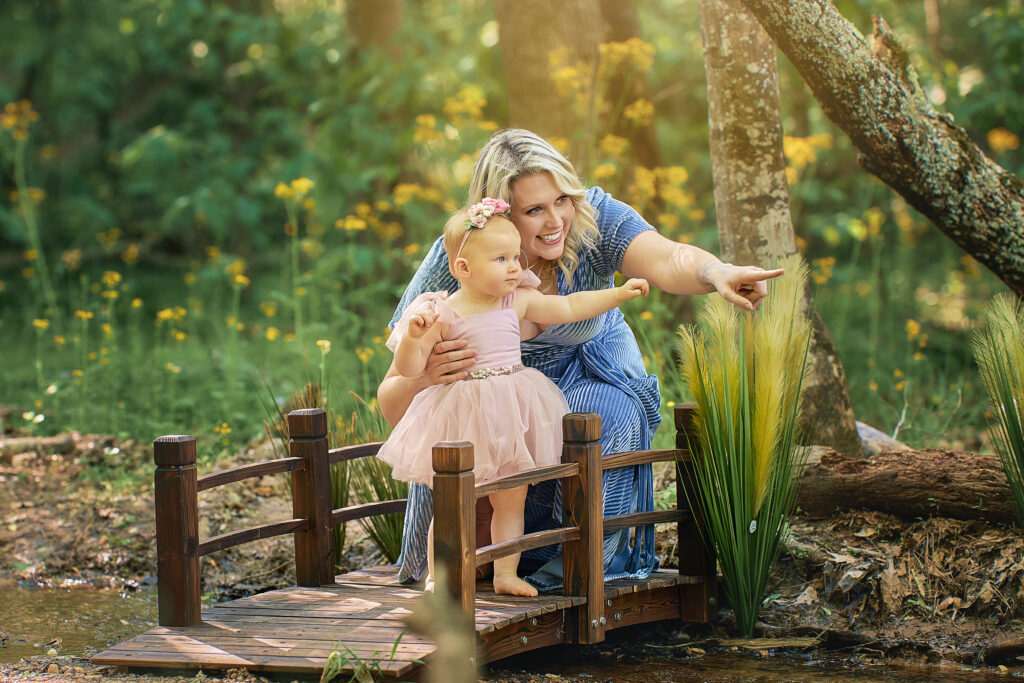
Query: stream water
86	620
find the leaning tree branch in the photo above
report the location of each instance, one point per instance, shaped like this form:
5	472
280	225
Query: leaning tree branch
922	154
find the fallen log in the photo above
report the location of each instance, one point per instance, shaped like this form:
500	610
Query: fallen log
63	444
908	484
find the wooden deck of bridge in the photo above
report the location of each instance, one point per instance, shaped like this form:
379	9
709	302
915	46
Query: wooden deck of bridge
362	613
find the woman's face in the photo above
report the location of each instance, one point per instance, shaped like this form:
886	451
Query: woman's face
542	214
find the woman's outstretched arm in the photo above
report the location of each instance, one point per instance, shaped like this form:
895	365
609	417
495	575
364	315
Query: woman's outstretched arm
447	363
685	269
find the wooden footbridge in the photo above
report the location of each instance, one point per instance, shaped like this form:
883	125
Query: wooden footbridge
292	631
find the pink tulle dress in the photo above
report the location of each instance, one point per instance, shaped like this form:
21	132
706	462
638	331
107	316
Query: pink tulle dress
512	414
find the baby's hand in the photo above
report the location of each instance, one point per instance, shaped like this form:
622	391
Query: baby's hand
633	288
421	321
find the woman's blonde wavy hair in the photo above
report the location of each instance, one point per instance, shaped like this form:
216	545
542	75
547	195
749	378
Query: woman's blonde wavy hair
514	153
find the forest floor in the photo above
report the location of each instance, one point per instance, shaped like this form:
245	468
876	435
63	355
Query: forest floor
858	586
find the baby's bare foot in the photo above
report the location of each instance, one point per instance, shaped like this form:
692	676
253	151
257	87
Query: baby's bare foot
513	585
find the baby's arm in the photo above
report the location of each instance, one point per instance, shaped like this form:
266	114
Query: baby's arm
413	350
552	309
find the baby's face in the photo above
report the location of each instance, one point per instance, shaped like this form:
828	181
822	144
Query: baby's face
493	258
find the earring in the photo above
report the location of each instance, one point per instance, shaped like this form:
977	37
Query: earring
525	259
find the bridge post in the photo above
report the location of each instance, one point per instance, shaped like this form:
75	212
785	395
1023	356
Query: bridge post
455	521
311	497
583	504
176	494
697	601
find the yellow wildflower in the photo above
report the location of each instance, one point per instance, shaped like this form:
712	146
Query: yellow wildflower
41	323
302	186
405	193
109	294
272	333
179	336
640	112
109	237
560	143
83	315
873	385
59	340
897	373
901	385
411	249
351	222
647	315
173	367
269	308
91	355
300	291
613	145
36	194
136	303
668	221
324	344
918	355
604	171
282	191
240	280
76	373
31	255
913	329
28	273
110	278
108	331
130	254
1001	140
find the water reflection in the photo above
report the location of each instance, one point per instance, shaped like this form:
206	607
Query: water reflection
82	618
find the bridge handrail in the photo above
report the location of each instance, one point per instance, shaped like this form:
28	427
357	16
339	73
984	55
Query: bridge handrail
251	471
528	477
644	457
353	452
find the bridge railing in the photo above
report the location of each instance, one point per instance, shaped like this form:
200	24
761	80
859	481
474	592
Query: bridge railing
455	494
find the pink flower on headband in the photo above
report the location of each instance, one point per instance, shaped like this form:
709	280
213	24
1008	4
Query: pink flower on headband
479	213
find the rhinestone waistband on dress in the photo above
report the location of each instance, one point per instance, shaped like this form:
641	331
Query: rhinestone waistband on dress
484	373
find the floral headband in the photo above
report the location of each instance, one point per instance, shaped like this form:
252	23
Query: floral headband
478	215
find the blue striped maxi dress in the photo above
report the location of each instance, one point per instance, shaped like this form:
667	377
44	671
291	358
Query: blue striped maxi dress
597	365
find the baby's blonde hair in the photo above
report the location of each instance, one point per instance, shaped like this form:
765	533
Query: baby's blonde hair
514	153
455	232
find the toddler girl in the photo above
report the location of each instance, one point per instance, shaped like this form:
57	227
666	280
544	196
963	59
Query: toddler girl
512	414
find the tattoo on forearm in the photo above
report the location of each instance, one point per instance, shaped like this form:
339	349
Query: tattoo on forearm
702	276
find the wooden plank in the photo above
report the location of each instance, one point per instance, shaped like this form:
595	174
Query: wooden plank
365	632
643	518
254	533
353	452
250	471
537	539
658	579
174	660
292	647
534	476
700	600
644	458
529	634
643	607
383	507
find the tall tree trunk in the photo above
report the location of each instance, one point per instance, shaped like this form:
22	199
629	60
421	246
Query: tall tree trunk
751	194
620	24
869	92
529	30
373	21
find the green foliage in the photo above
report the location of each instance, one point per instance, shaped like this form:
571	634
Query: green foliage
746	373
999	350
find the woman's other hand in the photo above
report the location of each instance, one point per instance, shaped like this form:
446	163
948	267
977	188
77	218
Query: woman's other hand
448	361
743	286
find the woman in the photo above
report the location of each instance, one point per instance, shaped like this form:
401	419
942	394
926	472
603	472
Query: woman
574	239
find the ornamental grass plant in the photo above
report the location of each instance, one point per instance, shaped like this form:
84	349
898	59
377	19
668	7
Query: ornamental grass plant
999	351
746	371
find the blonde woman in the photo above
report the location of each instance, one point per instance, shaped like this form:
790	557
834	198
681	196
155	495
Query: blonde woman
574	239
